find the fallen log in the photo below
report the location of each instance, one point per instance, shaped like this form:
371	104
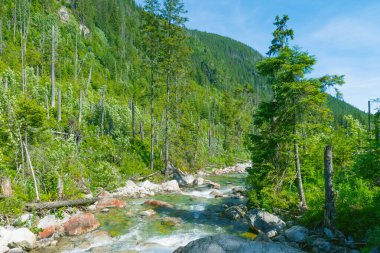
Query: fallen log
146	177
58	204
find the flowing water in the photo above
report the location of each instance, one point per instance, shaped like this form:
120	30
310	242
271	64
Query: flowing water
125	230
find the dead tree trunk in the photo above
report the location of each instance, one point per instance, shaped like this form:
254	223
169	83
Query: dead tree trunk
1	36
52	67
58	204
330	212
32	170
76	59
142	130
301	192
60	187
59	106
88	80
80	107
103	113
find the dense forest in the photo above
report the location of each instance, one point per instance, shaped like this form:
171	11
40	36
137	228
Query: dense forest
95	92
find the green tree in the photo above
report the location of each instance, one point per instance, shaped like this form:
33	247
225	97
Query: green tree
174	52
298	107
151	32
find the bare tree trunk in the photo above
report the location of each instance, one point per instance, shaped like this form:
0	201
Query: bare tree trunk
6	187
52	67
59	106
88	79
80	107
76	58
1	36
32	170
152	120
301	192
14	23
60	187
142	130
330	212
103	113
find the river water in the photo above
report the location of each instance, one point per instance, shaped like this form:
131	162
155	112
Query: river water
125	230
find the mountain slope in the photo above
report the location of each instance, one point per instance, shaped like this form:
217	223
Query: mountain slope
100	133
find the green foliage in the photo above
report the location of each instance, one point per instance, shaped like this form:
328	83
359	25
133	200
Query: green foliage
298	113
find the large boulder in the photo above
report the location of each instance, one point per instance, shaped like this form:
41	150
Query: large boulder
80	224
297	234
182	178
265	222
18	238
170	186
149	186
229	244
53	220
235	212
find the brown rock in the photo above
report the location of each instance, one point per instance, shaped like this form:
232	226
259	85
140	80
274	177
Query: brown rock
49	231
80	224
110	202
158	203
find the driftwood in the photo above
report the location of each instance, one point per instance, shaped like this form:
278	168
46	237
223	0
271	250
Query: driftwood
58	204
145	177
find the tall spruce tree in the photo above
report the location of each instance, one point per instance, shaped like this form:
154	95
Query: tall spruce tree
174	52
152	36
297	108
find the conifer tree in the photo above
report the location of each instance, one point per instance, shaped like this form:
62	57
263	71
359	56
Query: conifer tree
151	44
174	52
298	106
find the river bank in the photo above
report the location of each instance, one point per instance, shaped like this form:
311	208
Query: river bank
122	220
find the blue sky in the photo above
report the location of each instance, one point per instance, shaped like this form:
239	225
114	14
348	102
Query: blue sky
344	35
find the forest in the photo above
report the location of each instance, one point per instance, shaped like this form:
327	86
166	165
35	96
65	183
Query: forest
93	93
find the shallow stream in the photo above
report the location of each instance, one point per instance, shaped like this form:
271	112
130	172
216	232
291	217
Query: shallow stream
125	230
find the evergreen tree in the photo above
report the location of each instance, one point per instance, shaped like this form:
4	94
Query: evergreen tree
174	52
298	107
151	32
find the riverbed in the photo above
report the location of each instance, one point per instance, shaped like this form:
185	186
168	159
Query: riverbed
197	212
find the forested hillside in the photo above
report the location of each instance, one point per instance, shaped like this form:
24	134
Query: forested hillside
86	101
75	99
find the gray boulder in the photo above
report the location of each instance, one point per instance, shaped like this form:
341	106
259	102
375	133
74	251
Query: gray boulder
234	244
265	222
18	238
235	212
297	234
182	178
